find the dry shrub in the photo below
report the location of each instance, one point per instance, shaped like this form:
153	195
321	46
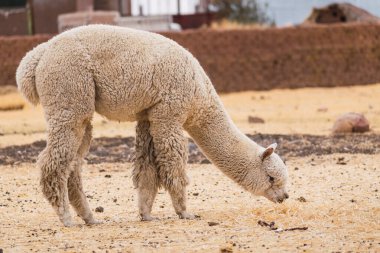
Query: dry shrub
226	24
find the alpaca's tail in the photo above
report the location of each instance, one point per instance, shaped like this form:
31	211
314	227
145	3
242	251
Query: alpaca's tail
25	74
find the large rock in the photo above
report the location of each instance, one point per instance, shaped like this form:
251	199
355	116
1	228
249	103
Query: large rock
351	123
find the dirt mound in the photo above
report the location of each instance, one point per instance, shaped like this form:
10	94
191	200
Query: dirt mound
117	149
340	13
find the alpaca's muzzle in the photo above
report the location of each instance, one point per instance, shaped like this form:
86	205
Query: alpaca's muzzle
283	198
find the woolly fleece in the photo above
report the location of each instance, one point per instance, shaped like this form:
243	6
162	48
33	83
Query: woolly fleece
130	75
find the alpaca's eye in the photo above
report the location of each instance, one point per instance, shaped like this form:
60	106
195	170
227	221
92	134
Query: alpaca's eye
271	180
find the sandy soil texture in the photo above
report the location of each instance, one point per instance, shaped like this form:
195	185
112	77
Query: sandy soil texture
337	202
334	203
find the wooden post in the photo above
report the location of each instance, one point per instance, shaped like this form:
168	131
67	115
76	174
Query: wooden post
30	17
126	7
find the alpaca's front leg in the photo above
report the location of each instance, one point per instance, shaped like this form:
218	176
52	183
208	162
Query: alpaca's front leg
145	177
170	146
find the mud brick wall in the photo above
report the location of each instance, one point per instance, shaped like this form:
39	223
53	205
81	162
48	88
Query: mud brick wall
238	60
335	55
12	49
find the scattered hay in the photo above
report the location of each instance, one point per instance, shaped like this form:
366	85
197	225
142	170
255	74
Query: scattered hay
293	215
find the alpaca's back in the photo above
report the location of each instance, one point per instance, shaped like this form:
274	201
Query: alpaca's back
132	70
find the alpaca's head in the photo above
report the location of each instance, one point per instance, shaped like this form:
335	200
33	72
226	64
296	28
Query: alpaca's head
274	175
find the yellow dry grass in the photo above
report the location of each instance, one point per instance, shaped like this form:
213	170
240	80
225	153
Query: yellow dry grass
300	111
303	111
225	24
9	101
341	211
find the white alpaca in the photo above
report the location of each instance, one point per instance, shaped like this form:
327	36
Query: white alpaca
129	75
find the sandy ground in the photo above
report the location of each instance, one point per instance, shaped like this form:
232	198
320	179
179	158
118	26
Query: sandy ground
301	111
341	212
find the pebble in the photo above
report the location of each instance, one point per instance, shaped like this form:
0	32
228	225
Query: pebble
253	119
212	223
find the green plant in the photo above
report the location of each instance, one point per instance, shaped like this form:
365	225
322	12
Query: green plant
242	11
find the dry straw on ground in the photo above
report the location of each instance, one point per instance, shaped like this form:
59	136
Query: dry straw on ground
341	212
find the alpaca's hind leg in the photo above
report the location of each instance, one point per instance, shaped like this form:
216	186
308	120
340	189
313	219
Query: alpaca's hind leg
76	194
66	89
55	163
145	176
170	146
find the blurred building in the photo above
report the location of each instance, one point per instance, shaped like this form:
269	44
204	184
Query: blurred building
20	17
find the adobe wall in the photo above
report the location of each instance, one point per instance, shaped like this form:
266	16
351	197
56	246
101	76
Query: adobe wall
238	60
12	49
336	55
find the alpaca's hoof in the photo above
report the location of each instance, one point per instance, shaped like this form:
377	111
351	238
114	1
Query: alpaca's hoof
147	217
68	223
93	222
187	216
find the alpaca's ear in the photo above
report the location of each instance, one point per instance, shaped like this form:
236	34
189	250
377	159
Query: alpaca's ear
268	151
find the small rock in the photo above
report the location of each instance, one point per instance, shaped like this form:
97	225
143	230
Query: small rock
301	199
107	176
341	161
226	249
195	194
212	223
322	109
351	123
253	119
99	209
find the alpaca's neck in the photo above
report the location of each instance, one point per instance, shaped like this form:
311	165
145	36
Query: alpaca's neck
221	141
